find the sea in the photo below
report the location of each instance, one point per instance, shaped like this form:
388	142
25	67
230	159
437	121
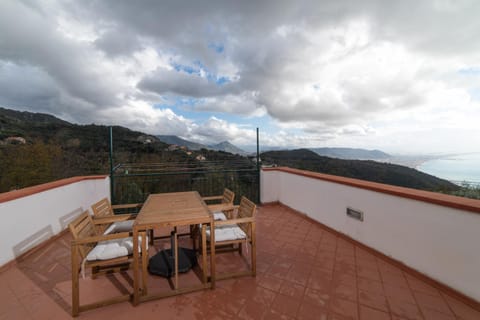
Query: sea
456	168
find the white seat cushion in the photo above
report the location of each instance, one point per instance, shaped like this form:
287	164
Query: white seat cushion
110	249
225	233
219	216
120	226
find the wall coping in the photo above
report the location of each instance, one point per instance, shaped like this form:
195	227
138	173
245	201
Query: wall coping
445	200
20	193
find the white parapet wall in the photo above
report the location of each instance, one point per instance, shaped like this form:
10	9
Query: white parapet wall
33	215
437	235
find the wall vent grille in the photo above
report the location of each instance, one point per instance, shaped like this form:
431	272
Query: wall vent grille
355	214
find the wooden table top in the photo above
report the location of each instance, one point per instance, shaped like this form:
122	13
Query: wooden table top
170	209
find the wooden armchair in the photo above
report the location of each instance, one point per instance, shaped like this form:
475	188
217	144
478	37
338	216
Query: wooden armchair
237	231
108	222
102	253
222	203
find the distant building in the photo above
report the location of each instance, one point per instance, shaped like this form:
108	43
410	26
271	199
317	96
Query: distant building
15	140
172	147
200	158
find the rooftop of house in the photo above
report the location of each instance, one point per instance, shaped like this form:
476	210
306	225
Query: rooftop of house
304	271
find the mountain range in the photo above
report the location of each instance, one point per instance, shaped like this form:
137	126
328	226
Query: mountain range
222	146
351	153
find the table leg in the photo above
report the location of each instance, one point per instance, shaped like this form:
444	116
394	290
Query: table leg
144	262
175	244
204	255
212	254
135	267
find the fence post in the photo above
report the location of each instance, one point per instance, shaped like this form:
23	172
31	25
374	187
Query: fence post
112	193
258	168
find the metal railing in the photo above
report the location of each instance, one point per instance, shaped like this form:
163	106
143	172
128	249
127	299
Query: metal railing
133	183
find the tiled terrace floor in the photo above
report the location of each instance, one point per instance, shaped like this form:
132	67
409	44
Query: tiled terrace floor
304	272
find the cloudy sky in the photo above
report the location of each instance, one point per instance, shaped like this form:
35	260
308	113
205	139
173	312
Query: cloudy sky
401	76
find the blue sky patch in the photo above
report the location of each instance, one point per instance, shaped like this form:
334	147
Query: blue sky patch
217	47
473	71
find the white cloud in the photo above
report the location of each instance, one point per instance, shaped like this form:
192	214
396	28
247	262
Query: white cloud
323	73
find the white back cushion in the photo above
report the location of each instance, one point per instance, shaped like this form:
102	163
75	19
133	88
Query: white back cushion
225	233
110	249
120	226
219	216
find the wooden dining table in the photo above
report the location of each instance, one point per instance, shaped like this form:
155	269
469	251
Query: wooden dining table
171	210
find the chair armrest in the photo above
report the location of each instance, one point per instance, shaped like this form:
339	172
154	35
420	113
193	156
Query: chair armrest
221	207
212	198
126	206
99	238
119	217
233	221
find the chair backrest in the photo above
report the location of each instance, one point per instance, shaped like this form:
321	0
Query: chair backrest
246	209
228	196
83	227
102	209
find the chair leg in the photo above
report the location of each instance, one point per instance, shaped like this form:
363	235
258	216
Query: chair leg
75	283
254	251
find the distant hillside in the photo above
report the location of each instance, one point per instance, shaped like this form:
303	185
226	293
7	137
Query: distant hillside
351	153
227	147
359	169
37	148
56	149
170	139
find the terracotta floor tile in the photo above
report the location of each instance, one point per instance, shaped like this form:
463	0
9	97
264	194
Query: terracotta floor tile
420	286
345	291
309	311
285	263
368	273
345	268
372	314
286	305
370	286
399	294
404	309
292	289
344	308
299	277
433	302
271	283
341	277
317	298
335	316
394	279
366	259
274	315
251	311
278	271
373	300
319	281
263	297
15	312
431	314
462	310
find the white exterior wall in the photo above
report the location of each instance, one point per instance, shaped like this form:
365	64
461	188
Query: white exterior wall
440	242
29	220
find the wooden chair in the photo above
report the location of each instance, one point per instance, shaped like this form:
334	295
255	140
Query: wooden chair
222	203
87	248
108	222
237	231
